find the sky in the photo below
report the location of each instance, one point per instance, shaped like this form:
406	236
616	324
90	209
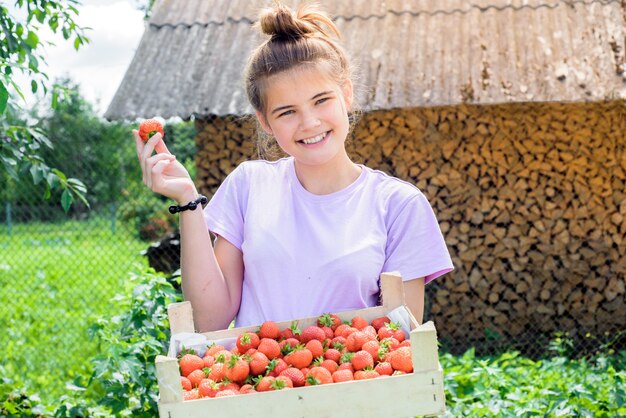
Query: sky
98	67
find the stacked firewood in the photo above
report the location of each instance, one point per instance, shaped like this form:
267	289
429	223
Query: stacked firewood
531	199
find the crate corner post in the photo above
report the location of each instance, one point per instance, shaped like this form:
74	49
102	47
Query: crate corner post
392	289
180	316
168	379
425	354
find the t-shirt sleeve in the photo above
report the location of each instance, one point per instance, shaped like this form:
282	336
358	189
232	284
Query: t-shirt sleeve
415	245
224	215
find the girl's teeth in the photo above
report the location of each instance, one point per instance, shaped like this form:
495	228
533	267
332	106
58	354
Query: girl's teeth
315	139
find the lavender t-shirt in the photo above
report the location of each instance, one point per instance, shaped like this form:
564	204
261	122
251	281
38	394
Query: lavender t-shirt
306	254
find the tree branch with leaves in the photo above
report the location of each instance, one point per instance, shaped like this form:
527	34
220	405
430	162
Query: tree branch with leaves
21	52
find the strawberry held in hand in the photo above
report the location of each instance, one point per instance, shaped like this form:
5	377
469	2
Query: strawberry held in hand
149	127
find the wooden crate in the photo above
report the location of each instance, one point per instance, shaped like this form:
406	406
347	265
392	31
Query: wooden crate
417	393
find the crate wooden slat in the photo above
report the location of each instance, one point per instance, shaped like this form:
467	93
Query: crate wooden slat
417	393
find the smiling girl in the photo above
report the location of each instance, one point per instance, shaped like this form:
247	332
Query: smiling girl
306	234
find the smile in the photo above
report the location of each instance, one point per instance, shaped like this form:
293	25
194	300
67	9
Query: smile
314	140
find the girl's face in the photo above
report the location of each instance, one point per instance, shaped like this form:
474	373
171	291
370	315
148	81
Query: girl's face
307	113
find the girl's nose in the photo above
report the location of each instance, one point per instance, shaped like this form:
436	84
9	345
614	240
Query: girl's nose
310	120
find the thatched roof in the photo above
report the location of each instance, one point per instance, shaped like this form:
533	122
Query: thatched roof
410	53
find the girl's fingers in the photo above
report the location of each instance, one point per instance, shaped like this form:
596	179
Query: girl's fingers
150	163
157	170
160	146
138	143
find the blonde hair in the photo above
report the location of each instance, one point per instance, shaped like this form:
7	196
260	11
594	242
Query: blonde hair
297	39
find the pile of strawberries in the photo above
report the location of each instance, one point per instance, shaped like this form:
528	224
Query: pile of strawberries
274	359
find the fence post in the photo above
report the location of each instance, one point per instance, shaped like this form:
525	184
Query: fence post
8	217
113	212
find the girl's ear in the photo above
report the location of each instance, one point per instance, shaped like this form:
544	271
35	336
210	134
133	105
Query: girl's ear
266	127
348	93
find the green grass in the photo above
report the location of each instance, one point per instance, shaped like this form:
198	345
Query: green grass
56	279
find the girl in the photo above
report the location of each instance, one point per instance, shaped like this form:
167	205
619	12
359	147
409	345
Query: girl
306	234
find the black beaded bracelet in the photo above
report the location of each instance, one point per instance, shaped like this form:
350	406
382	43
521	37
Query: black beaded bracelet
189	206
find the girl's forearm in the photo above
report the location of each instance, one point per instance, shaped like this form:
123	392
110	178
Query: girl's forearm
203	281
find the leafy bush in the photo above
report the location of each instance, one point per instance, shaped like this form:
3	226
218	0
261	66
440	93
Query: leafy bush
18	403
124	374
510	385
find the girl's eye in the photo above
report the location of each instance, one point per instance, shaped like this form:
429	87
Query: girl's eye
322	100
288	112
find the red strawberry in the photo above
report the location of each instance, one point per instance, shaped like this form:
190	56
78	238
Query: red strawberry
340	329
370	330
208	360
269	329
296	376
384	368
329	365
347	366
208	388
246	389
287	345
196	377
282	382
190	395
379	322
338	342
318	376
269	347
391	330
389	343
225	392
246	341
359	322
333	354
365	374
149	127
343	375
222	356
315	347
237	369
276	366
258	363
265	384
401	360
230	385
292	332
346	331
212	349
312	333
217	372
190	362
329	332
299	358
329	320
186	383
362	359
355	341
372	347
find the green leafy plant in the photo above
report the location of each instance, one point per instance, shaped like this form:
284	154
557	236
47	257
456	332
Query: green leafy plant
509	386
124	374
18	403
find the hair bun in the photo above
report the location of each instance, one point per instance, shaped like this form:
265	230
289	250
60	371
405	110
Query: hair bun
280	22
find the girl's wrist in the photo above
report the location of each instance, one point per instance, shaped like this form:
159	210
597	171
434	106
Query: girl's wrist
188	196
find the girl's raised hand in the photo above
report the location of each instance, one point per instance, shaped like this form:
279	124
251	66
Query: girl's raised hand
161	172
